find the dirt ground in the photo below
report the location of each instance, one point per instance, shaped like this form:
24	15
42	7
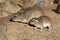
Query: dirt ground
18	31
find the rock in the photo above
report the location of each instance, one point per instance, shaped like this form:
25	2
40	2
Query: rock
58	9
7	8
47	4
18	31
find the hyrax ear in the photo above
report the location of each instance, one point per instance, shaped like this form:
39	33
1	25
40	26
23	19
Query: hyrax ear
35	19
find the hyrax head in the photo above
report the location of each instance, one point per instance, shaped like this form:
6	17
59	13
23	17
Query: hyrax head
33	21
18	18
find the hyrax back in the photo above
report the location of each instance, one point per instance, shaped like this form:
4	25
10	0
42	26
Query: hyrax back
41	22
28	14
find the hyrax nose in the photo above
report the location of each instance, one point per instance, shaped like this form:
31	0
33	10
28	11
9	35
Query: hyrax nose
11	19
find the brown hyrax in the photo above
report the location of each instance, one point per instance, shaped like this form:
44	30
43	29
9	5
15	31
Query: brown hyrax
41	22
29	13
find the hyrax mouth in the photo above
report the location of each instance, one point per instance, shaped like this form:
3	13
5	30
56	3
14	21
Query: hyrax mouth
31	25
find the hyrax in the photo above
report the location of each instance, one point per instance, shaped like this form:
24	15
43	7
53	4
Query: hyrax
41	22
28	14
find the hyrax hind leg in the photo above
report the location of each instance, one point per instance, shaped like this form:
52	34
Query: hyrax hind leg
48	27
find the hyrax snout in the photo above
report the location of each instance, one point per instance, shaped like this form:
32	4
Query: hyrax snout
28	14
41	22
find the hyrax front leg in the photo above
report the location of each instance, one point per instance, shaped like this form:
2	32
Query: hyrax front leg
39	29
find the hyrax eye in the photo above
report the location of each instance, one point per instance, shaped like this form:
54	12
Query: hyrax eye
14	16
31	21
